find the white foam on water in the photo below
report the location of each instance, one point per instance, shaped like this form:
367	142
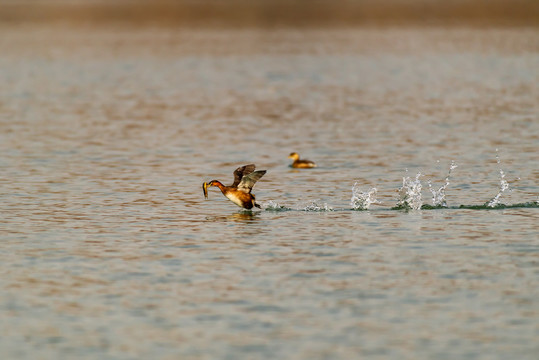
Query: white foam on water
410	193
438	196
362	200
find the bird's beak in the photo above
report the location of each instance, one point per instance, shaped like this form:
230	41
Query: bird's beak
205	189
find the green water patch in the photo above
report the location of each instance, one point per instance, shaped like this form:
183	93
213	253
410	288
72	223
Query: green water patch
485	206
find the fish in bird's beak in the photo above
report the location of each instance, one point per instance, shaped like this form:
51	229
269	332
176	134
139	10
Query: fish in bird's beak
205	189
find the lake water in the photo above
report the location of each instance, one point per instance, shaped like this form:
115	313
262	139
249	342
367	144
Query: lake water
110	251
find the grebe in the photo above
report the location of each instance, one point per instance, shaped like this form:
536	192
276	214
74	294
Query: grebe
240	191
300	164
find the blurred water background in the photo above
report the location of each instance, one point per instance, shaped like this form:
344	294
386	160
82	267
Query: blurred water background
416	236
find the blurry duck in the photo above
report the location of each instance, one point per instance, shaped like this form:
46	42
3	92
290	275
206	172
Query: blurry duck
240	191
300	164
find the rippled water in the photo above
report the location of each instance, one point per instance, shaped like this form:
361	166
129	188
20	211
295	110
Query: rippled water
109	250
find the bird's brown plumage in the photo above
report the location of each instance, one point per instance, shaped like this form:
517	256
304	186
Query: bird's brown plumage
300	164
240	191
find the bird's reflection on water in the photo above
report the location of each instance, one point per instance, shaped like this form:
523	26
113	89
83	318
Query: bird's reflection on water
241	216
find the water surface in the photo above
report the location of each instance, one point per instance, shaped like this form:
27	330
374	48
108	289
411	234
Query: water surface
109	250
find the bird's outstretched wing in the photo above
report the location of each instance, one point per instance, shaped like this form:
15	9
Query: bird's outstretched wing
248	181
242	171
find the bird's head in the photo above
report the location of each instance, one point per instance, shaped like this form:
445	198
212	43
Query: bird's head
294	156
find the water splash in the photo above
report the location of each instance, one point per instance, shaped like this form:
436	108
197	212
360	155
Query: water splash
274	206
410	193
314	206
438	196
504	185
362	200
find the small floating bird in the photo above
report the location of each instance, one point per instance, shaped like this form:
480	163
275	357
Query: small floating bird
300	164
240	191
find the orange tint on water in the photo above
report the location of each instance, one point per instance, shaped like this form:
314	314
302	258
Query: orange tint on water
109	249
